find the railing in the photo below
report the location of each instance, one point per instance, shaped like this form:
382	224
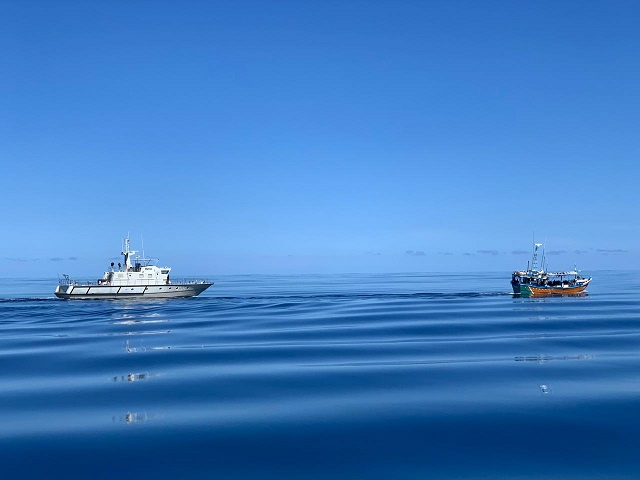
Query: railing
183	281
189	281
68	281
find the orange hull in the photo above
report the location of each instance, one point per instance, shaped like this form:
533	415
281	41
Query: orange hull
539	291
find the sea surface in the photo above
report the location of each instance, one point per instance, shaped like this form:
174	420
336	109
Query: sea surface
413	376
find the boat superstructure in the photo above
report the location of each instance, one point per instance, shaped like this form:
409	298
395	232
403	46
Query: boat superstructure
136	277
535	281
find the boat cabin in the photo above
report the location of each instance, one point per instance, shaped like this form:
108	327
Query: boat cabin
141	272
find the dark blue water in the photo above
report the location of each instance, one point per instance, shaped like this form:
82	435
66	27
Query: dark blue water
328	376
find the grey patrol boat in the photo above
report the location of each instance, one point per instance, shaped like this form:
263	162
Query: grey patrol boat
139	278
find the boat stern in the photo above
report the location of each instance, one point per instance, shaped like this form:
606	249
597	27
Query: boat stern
62	291
525	291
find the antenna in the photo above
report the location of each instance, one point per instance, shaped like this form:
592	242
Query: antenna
142	239
534	260
126	244
533	238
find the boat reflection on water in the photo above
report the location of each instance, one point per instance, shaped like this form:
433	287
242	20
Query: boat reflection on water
133	377
131	417
534	282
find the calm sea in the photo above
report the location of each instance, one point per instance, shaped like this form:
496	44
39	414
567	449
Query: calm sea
328	376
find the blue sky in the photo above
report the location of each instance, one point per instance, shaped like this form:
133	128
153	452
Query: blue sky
319	136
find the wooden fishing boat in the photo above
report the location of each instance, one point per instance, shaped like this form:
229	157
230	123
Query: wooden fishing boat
538	282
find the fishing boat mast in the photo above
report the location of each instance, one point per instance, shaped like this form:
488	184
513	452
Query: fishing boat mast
534	261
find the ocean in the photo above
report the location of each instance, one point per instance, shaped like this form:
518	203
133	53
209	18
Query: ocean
416	376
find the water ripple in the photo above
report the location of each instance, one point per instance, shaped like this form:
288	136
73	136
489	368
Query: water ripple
349	368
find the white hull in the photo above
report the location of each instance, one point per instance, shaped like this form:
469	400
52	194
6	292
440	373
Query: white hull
131	291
